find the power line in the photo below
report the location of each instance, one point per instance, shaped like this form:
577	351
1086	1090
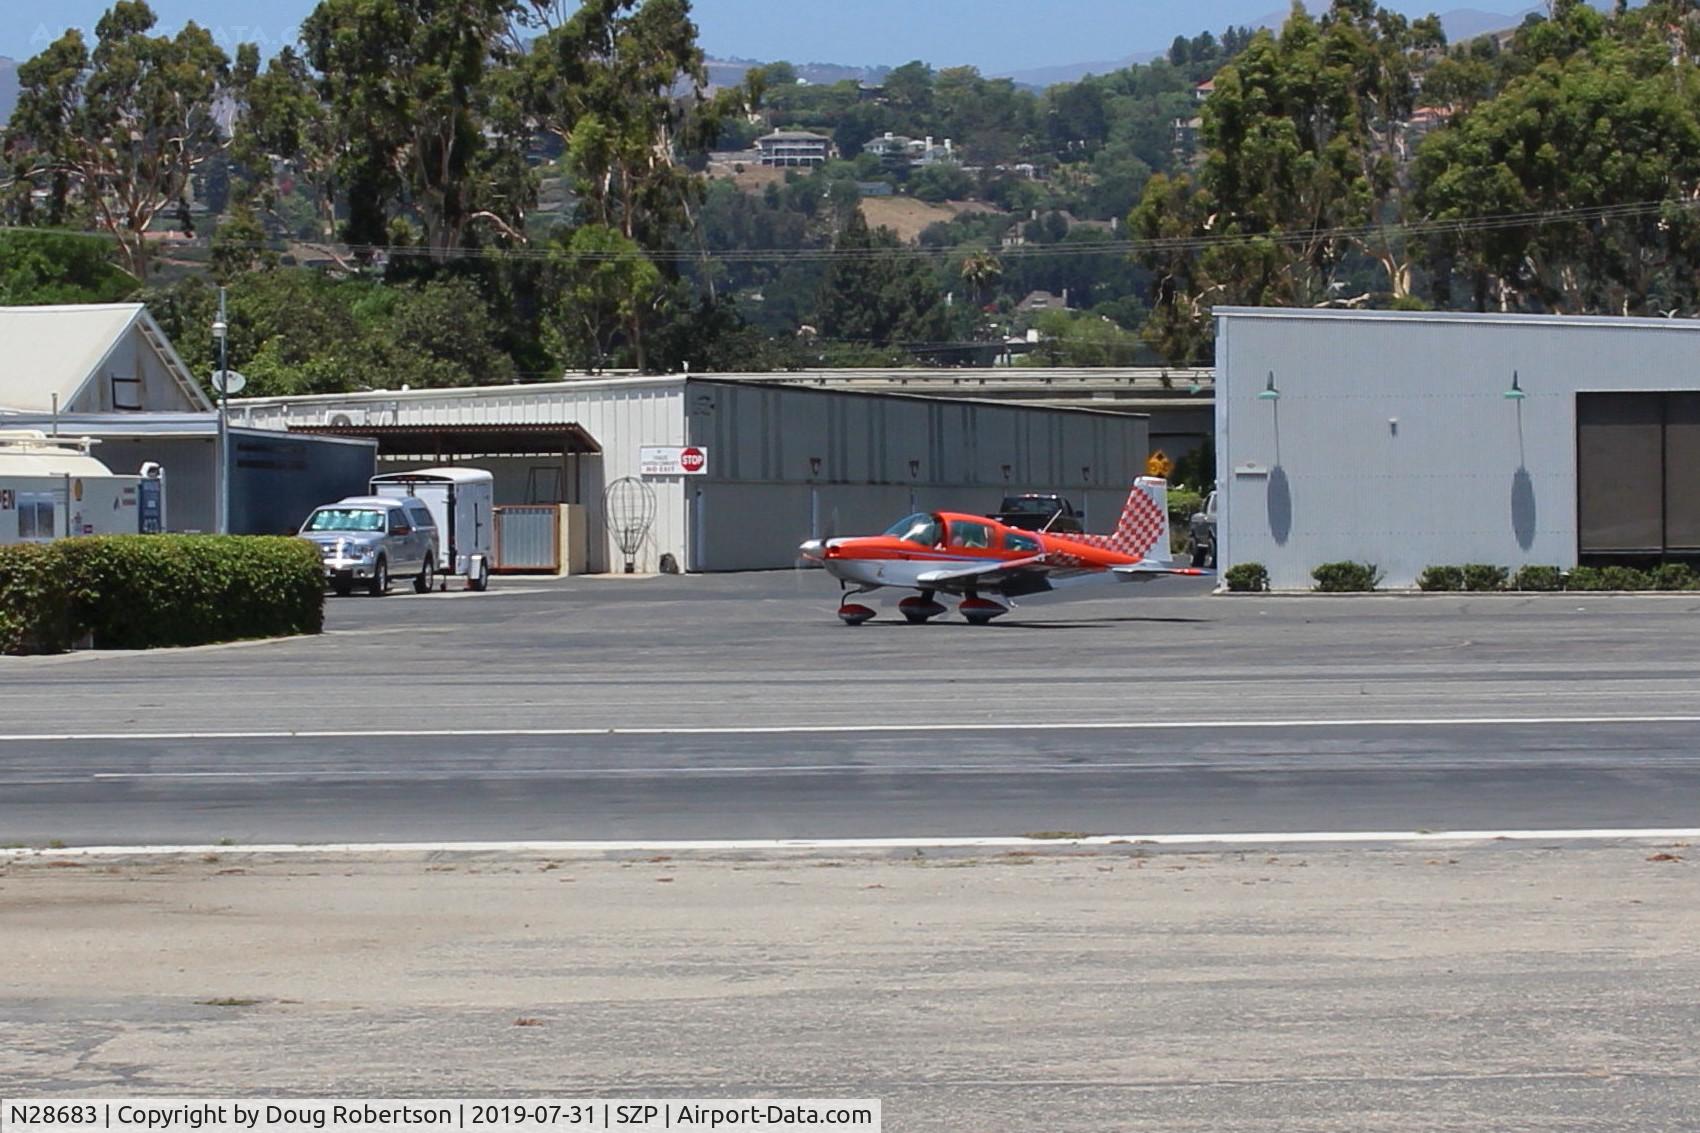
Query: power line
1114	248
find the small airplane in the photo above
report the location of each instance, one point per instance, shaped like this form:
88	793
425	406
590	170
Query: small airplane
971	556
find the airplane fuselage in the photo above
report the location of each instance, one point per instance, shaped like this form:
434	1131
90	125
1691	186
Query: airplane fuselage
901	560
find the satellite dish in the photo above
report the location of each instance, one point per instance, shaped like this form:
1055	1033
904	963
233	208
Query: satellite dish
221	378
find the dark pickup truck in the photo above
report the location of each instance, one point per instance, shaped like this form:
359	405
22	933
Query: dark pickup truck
1039	512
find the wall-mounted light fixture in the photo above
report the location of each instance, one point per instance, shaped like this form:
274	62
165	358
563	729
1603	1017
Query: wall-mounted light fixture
1270	393
1086	472
1515	393
914	468
1006	471
814	466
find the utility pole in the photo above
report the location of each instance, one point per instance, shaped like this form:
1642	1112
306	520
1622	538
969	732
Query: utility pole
221	331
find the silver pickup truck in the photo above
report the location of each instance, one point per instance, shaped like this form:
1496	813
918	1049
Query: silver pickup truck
370	539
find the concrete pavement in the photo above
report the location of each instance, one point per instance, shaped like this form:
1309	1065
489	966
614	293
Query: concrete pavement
737	706
1295	991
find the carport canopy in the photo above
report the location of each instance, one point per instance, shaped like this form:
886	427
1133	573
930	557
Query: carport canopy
441	442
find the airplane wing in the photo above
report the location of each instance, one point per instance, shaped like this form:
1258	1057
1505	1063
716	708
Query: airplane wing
1015	578
1010	577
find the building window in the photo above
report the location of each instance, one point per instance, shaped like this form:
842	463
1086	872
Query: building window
35	516
126	392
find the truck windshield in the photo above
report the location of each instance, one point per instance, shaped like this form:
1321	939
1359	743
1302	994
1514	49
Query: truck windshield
921	528
345	519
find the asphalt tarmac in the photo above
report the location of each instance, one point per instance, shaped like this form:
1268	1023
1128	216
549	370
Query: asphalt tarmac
737	707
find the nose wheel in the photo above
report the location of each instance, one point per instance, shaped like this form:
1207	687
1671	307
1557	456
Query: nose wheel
854	613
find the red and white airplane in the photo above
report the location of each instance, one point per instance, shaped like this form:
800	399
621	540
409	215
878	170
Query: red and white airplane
971	556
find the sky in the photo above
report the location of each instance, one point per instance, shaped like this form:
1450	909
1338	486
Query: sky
994	35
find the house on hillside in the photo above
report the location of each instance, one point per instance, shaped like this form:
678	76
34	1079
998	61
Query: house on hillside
794	148
1423	121
929	153
1037	301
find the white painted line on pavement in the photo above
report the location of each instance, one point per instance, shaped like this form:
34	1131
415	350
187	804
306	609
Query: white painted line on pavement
847	729
1266	838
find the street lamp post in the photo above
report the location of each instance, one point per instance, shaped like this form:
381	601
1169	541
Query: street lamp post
222	480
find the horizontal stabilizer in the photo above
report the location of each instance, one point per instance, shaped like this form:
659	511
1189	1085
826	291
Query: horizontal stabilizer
1154	569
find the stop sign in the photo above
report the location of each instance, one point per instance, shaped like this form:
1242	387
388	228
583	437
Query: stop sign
692	459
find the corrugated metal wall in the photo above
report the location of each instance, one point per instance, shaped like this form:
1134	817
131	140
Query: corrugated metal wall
622	415
1392	440
764	493
787	464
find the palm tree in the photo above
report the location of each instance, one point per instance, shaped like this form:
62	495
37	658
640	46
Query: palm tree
981	272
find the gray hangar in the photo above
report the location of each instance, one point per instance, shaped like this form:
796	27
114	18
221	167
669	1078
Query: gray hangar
772	465
1411	439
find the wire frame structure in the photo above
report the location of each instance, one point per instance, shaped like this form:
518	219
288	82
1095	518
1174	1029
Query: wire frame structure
628	510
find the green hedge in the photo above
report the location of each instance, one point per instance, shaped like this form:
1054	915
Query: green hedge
1346	577
1247	578
144	591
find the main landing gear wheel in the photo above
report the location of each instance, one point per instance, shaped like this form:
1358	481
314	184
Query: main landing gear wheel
854	613
918	608
981	611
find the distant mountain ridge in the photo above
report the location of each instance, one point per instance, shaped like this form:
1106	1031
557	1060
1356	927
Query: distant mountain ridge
8	87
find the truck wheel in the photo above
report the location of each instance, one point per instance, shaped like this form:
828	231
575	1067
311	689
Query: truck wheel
427	576
380	584
480	578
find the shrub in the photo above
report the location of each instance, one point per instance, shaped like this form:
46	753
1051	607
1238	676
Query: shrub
1584	578
1184	503
1482	576
34	614
1624	578
1340	578
1675	576
1440	578
1246	577
1544	578
143	591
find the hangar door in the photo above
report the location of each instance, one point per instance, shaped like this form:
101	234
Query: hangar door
1638	473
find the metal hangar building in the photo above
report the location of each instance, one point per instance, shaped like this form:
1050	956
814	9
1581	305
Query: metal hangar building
1415	439
765	465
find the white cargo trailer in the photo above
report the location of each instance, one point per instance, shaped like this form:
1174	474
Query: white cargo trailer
461	501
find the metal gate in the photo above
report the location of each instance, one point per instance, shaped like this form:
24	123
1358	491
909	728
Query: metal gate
528	539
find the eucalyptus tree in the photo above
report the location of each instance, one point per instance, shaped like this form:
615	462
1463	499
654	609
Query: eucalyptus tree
114	134
424	125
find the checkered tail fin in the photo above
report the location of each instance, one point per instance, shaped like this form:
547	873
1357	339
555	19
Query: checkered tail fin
1142	531
1144	522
